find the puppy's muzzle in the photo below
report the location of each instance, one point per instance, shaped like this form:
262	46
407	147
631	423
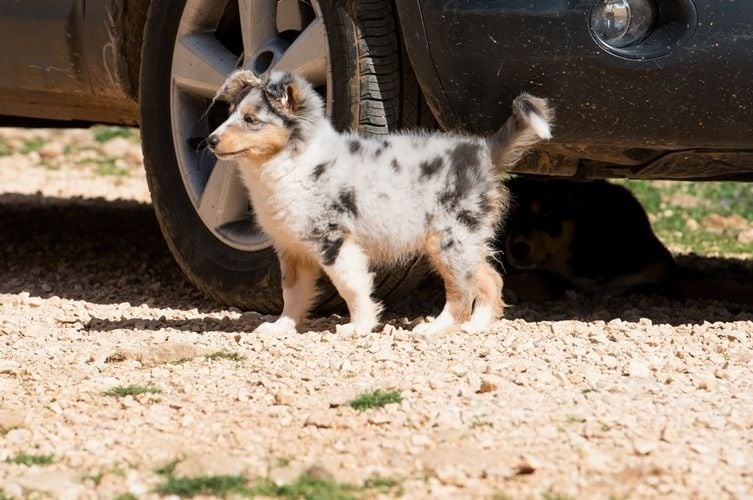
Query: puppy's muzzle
213	141
519	251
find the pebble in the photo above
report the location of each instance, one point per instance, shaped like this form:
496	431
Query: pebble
321	419
11	419
644	446
637	369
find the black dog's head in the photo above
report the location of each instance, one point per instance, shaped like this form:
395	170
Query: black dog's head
541	223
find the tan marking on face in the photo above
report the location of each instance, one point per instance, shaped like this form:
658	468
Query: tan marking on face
248	109
459	299
554	252
547	251
258	145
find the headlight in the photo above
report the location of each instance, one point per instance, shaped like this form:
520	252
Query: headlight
621	23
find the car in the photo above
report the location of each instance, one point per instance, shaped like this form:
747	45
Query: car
642	88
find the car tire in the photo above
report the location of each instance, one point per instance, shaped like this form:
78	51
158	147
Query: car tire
375	93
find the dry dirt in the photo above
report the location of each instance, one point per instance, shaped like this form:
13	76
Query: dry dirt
589	398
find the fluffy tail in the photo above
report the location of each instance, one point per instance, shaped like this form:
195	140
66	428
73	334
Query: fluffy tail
690	284
530	123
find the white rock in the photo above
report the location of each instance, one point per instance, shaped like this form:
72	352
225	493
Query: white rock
11	419
644	446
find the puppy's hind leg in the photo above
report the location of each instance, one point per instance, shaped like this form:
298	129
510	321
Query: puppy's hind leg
453	265
298	294
488	304
349	272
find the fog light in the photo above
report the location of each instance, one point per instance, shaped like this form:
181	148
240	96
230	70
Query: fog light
620	23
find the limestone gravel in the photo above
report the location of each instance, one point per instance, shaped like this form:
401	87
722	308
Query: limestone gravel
633	397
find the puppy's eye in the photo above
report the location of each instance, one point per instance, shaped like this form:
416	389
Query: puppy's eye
251	120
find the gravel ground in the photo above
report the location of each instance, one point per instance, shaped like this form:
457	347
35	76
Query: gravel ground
589	398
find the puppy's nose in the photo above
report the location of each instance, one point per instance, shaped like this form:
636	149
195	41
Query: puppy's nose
213	140
520	250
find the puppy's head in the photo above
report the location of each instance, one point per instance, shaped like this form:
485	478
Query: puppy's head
266	115
540	226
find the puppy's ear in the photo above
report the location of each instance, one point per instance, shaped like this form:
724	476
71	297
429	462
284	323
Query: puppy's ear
237	82
284	94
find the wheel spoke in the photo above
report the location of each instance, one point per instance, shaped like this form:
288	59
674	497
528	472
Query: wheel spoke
201	63
258	24
224	198
307	55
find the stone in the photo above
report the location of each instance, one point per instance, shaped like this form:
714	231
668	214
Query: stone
11	419
215	464
57	484
320	419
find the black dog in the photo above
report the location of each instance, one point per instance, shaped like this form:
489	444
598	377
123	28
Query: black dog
593	237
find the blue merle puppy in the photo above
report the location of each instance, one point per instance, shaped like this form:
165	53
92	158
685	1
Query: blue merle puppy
340	203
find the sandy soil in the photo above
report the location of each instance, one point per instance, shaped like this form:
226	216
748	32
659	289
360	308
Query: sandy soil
590	398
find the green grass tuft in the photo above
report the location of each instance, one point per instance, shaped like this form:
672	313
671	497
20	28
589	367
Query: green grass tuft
202	485
383	485
96	478
550	495
5	149
31	459
375	399
108	167
673	204
104	134
126	496
33	144
231	356
305	487
132	390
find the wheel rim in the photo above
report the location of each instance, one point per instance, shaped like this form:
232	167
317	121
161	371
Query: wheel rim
212	41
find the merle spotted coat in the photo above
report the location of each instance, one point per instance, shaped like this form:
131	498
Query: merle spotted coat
342	203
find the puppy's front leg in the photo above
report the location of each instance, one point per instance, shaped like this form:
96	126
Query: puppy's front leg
349	272
298	294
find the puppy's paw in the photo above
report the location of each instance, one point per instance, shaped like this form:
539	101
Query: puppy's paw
282	326
474	327
433	328
360	329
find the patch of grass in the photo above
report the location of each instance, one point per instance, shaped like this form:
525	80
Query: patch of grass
179	361
31	459
375	399
5	149
33	144
283	462
202	485
383	485
550	495
230	356
673	204
109	167
96	478
480	422
104	134
305	487
132	390
575	419
126	496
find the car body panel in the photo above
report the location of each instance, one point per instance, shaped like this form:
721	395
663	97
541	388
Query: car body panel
609	108
67	61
